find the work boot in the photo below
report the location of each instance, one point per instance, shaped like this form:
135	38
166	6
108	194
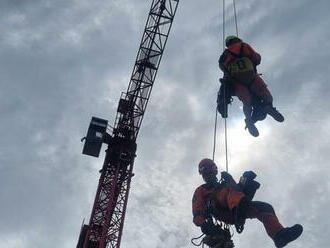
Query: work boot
251	127
240	214
273	112
286	235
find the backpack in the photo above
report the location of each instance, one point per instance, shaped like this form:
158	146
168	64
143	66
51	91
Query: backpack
241	68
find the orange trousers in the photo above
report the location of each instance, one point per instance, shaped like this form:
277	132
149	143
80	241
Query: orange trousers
229	198
257	87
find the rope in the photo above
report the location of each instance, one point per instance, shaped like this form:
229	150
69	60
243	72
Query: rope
216	112
235	17
215	132
227	226
225	91
197	238
224	100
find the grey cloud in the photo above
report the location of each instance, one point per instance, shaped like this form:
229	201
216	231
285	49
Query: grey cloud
62	62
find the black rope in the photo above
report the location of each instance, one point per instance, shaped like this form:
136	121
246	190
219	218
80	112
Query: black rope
197	238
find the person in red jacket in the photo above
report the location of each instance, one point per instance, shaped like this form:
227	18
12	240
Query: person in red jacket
239	62
232	203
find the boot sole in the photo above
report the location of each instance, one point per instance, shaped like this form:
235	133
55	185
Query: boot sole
276	116
253	131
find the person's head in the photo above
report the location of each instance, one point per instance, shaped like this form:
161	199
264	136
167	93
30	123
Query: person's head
232	39
209	170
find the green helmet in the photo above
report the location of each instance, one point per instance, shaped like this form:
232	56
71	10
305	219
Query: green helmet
230	39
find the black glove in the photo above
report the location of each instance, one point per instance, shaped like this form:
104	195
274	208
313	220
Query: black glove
227	177
250	175
248	185
209	228
251	189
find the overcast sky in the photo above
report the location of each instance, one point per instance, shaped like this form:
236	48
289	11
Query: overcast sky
64	61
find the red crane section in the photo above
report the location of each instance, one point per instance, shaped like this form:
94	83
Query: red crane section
107	218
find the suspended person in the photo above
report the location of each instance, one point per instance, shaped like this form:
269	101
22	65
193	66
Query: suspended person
239	62
232	203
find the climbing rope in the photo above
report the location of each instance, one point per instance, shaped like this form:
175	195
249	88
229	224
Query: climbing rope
235	17
224	227
224	98
215	133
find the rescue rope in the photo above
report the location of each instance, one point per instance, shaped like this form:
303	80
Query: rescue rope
216	112
225	91
215	133
224	96
235	17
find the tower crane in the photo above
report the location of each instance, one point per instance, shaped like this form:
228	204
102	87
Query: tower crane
108	213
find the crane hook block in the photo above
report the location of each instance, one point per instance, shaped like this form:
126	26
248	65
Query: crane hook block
95	137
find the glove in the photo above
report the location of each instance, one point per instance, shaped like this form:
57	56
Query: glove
209	228
226	176
250	175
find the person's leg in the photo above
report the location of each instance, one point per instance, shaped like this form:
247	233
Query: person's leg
259	88
265	213
243	93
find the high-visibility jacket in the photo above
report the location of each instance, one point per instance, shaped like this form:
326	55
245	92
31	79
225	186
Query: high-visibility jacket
217	200
239	49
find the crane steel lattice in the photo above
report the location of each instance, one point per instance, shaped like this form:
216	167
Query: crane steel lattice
108	213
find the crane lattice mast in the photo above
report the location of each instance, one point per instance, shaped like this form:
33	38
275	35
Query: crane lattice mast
107	218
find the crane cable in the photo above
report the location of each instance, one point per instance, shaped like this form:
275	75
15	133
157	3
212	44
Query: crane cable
216	112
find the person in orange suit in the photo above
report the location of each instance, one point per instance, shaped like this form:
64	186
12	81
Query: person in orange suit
239	62
231	203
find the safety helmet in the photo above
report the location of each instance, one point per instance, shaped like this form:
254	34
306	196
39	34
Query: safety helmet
207	166
230	39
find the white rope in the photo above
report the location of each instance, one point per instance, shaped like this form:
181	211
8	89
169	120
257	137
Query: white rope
216	112
224	100
235	18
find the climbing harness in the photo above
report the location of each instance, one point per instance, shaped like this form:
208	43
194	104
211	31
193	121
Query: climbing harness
222	239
